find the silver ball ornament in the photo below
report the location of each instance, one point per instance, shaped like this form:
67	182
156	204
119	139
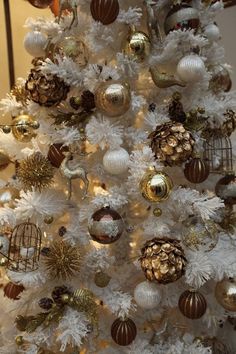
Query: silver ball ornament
147	295
34	43
116	161
212	32
191	68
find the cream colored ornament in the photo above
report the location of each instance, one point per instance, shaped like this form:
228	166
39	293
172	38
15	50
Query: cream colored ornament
212	32
113	98
191	68
147	295
34	43
116	161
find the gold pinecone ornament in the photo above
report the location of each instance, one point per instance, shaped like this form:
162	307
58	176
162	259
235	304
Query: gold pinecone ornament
171	143
46	90
163	260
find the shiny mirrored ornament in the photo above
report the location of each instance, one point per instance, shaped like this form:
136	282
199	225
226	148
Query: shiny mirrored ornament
191	68
116	161
225	293
147	295
155	186
138	45
183	17
123	331
34	43
23	128
192	304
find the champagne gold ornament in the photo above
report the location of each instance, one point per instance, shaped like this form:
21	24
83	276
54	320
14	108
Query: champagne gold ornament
40	4
226	189
192	304
138	45
72	47
162	79
12	290
220	80
196	170
163	260
113	98
171	143
182	16
123	331
23	128
101	279
105	225
225	293
104	11
156	186
157	212
4	160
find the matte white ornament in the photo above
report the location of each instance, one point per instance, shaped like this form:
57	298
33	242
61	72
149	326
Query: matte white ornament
147	295
212	32
34	43
191	68
27	252
4	244
116	161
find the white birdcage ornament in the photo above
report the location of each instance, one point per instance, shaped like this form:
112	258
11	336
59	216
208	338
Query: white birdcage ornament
218	152
25	246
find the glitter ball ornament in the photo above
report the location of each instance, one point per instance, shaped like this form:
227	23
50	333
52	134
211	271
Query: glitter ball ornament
215	345
163	260
104	11
101	279
72	47
196	170
147	295
12	290
24	127
192	304
138	45
225	293
46	90
113	98
106	225
41	4
182	16
34	43
226	189
4	160
171	143
116	161
191	68
212	32
220	80
123	331
35	171
155	186
200	235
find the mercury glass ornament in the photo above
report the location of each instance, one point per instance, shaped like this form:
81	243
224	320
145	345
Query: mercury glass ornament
155	186
147	295
105	225
138	45
101	279
116	161
200	235
34	43
226	189
74	48
225	293
113	98
192	304
182	16
220	80
191	68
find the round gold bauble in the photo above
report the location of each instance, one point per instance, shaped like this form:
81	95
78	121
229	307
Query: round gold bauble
155	186
4	160
163	260
19	340
192	304
225	293
3	262
113	98
138	46
101	279
8	195
24	128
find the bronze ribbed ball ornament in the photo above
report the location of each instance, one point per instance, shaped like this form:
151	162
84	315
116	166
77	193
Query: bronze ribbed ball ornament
196	170
155	186
183	17
104	11
123	331
192	304
13	291
225	293
163	260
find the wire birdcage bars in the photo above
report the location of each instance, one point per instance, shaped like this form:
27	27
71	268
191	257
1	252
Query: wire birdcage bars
25	246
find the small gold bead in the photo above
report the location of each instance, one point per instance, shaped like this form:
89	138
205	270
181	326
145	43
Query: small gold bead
6	129
48	219
157	212
19	340
65	298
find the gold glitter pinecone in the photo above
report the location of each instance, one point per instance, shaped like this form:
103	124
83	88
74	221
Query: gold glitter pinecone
46	90
172	143
163	260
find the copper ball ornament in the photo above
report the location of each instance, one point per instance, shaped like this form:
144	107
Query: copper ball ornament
183	17
138	46
226	189
104	11
105	226
12	290
56	154
196	170
225	293
23	128
192	304
123	331
113	98
41	4
163	260
156	186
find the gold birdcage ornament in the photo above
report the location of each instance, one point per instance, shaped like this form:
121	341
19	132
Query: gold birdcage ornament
218	152
25	246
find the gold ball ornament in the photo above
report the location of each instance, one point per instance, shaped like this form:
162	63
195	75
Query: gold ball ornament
157	212
138	45
163	260
113	98
101	279
155	186
23	128
192	304
19	340
3	262
225	293
220	80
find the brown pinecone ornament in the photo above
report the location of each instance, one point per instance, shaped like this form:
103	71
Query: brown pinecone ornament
172	143
163	260
46	90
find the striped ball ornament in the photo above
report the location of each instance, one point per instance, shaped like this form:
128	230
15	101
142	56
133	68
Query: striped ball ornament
196	170
192	304
104	11
13	291
123	331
